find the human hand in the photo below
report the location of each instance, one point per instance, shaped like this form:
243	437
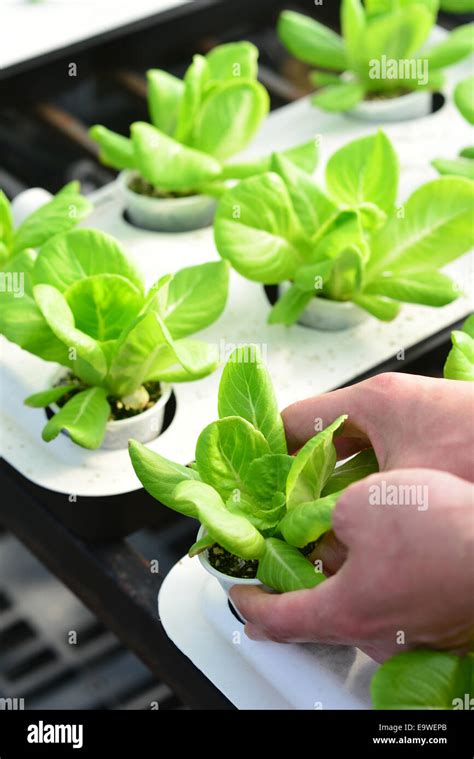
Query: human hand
410	422
408	579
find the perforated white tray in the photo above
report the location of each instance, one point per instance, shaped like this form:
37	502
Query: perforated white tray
302	362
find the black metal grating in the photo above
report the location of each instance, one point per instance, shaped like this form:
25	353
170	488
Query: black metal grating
40	665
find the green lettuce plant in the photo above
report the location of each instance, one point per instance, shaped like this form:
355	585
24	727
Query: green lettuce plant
390	30
255	501
349	242
425	680
198	124
60	214
460	363
457	6
85	308
462	166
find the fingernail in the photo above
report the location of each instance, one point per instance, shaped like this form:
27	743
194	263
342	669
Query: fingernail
254	633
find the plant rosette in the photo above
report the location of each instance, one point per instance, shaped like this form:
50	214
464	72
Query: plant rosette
143	426
85	307
42	217
261	510
166	214
348	244
381	55
179	163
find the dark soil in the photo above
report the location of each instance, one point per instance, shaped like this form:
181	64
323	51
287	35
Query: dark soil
142	187
387	94
231	565
308	550
119	412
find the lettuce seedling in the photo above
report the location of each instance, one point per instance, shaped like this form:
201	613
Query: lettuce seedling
462	166
85	307
59	215
350	242
198	124
424	680
460	363
457	6
376	34
255	501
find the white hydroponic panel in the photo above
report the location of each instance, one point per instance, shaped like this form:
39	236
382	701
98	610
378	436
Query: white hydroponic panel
302	362
256	675
30	28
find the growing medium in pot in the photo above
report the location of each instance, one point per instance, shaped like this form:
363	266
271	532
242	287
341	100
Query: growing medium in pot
85	307
262	509
350	242
381	54
197	125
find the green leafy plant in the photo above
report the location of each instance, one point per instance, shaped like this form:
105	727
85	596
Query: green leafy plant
425	680
460	363
378	30
457	6
85	307
64	211
350	242
198	124
256	502
462	166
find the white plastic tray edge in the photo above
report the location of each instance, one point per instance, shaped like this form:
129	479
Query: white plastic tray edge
256	675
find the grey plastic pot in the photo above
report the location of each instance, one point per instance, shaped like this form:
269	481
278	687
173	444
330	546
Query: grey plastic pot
166	215
144	427
330	315
415	105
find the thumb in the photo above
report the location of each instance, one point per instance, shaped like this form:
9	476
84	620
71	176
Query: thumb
320	614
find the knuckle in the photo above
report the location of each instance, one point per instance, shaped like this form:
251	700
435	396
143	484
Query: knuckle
385	383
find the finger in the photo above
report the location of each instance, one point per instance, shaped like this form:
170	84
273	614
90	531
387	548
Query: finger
320	614
354	510
303	419
331	553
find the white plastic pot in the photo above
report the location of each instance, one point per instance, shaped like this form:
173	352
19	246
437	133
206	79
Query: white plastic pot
415	105
166	214
330	315
142	427
224	581
28	202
